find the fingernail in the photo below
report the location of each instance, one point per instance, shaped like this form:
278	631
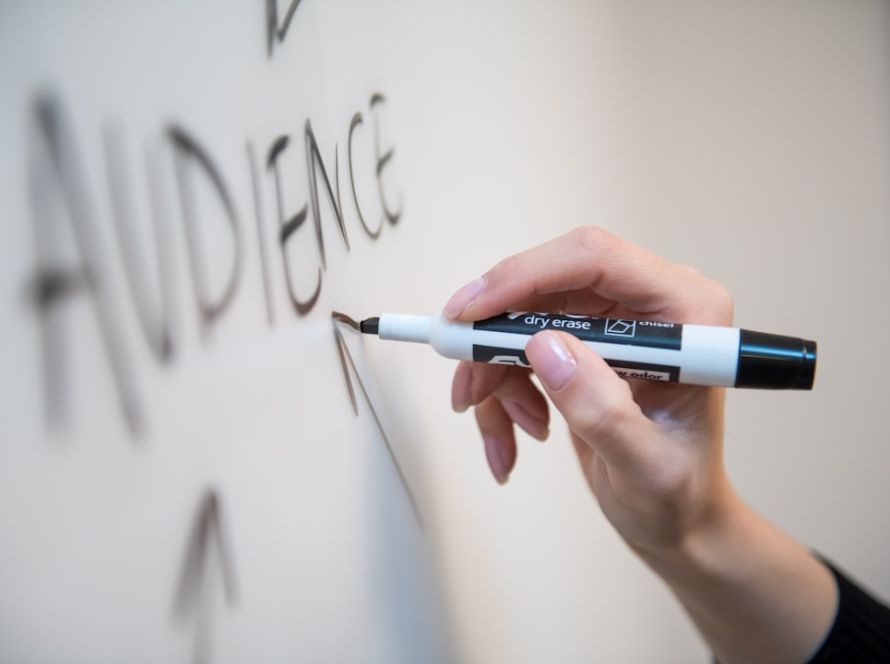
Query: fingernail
534	427
463	297
496	461
553	362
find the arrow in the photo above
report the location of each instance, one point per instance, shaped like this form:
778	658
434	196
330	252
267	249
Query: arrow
193	597
346	362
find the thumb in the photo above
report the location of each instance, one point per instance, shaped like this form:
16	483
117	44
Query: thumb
594	400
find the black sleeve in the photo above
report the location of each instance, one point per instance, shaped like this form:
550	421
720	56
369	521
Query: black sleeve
861	628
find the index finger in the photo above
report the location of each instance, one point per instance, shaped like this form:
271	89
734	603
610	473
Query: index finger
612	268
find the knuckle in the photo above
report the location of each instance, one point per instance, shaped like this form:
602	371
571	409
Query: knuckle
671	485
594	239
484	415
504	269
709	301
721	302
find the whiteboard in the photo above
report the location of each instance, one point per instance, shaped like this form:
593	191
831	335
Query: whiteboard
198	463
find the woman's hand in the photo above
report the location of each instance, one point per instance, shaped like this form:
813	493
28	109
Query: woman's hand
652	453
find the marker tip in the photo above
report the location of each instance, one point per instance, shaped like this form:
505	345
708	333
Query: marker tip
369	325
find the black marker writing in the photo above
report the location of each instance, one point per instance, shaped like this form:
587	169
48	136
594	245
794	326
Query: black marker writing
347	363
383	158
71	259
56	184
314	164
154	320
287	227
274	30
189	151
261	233
192	599
357	119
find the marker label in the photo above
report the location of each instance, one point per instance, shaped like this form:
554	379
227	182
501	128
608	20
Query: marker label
662	372
650	334
494	355
624	368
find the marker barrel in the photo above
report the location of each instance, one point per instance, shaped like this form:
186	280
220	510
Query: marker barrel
692	354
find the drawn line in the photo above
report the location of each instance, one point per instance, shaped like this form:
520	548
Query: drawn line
346	361
208	523
346	320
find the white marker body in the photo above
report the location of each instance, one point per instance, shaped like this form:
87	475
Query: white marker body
708	355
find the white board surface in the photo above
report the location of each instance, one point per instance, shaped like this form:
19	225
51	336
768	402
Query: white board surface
185	473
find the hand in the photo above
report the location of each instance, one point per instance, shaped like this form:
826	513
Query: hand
651	453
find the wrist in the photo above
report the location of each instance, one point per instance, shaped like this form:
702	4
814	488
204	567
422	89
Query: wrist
753	591
713	537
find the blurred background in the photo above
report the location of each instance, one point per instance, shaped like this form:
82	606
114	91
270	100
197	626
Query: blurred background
226	500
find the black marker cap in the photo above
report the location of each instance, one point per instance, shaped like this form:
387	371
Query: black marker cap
773	361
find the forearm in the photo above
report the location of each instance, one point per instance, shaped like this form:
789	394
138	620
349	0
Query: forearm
754	593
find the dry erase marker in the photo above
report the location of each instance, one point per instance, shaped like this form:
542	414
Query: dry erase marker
670	352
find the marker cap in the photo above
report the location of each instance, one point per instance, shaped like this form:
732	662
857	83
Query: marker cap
773	361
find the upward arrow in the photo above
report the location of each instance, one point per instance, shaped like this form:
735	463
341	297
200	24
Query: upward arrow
347	363
194	599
